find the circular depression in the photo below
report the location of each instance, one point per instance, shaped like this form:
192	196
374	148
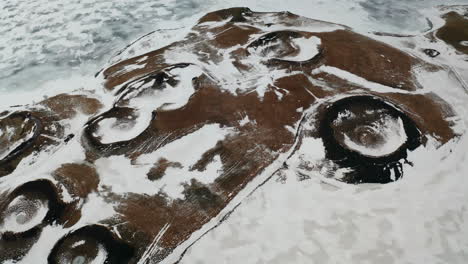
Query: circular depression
117	126
17	132
369	129
29	207
286	46
90	244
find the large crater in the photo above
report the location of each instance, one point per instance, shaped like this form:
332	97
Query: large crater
90	244
370	136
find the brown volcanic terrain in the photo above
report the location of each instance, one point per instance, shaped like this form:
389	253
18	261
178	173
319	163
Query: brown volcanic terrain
153	225
455	31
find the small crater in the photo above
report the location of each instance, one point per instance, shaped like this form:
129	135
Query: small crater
115	128
286	46
431	52
29	208
90	244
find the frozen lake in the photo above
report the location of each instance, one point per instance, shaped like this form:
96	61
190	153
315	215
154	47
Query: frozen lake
47	40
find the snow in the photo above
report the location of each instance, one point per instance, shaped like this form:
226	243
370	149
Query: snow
131	67
101	256
244	121
313	149
112	130
352	78
40	250
97	209
258	78
391	132
309	48
78	243
247	191
306	48
23	214
98	259
186	151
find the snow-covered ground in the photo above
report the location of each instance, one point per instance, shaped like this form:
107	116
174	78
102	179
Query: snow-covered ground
55	46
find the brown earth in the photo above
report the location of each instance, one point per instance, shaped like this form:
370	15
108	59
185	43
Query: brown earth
67	106
47	133
159	169
454	31
79	179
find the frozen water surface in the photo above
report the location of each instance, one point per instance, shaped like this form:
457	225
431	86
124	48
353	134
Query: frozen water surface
43	40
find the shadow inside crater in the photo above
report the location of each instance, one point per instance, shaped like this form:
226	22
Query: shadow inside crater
23	215
90	244
369	137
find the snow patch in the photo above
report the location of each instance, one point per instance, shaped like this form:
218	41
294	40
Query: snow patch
186	151
308	48
244	121
391	132
357	80
113	130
